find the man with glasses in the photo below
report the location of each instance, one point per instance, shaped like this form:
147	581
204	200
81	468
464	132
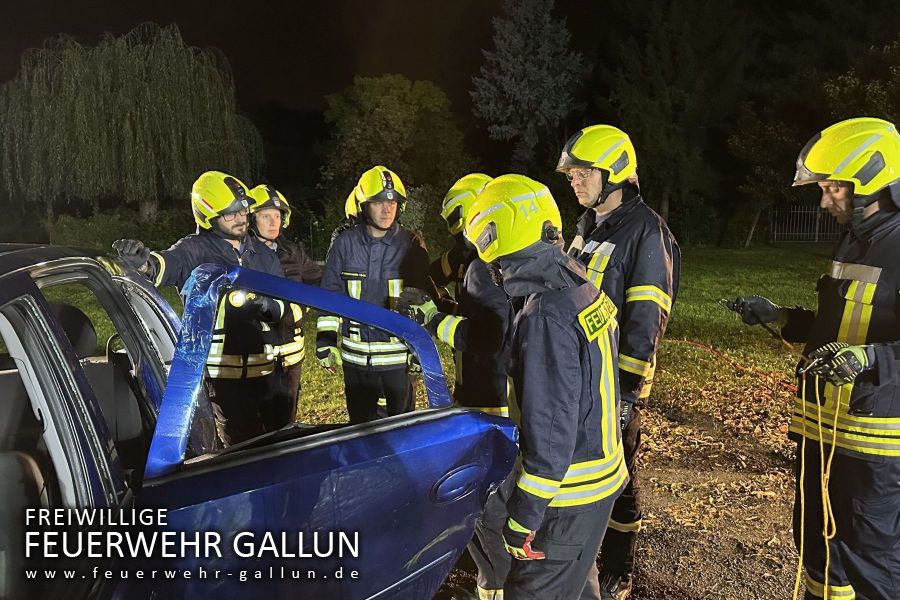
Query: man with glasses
246	390
631	255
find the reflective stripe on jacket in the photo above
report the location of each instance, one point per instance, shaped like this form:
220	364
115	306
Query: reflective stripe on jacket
566	392
297	266
481	335
374	270
859	303
242	345
634	258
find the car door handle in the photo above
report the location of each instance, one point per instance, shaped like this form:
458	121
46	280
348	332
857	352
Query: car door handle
457	483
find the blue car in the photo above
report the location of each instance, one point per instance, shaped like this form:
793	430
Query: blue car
107	408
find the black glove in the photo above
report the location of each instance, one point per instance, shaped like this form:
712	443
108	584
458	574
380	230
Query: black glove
755	310
132	252
415	304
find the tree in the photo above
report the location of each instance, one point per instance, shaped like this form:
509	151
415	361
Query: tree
526	87
808	85
389	120
132	120
674	86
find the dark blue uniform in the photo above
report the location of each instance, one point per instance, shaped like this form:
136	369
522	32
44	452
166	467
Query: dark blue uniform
572	466
249	397
633	257
859	303
481	334
374	270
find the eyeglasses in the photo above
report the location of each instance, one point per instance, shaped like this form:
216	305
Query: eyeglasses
579	174
228	218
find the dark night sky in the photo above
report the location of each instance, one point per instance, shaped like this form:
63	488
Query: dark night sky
291	52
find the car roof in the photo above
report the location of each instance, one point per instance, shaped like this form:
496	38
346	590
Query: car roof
16	256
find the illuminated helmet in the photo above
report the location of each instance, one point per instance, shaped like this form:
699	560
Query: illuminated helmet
602	147
265	196
510	214
379	184
459	198
215	194
863	151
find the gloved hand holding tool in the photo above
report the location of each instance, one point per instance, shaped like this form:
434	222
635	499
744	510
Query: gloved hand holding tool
839	363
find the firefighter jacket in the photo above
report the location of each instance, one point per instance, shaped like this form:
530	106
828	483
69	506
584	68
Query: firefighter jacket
858	303
243	343
566	389
452	264
374	270
633	257
297	266
481	335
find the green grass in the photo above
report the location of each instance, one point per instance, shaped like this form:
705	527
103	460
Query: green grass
739	378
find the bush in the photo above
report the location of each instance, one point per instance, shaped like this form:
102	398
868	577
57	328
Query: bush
101	230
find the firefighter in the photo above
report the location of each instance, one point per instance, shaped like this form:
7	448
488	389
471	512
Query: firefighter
849	384
372	261
270	215
480	332
247	390
630	255
479	327
554	508
450	268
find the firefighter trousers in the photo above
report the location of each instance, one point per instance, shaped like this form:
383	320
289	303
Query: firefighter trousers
617	551
363	387
864	561
291	378
246	408
569	538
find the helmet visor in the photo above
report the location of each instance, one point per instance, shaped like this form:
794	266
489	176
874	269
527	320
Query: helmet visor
239	205
804	176
387	195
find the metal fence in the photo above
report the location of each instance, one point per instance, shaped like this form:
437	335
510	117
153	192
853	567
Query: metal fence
803	223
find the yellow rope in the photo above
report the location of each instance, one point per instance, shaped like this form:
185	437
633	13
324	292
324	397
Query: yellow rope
802	487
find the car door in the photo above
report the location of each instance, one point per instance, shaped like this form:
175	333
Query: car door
378	510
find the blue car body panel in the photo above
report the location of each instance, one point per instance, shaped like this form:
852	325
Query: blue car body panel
410	494
408	487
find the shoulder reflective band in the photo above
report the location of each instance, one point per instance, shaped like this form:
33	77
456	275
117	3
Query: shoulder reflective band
862	273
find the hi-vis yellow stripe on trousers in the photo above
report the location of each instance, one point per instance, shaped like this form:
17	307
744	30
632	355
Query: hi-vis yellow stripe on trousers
835	592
